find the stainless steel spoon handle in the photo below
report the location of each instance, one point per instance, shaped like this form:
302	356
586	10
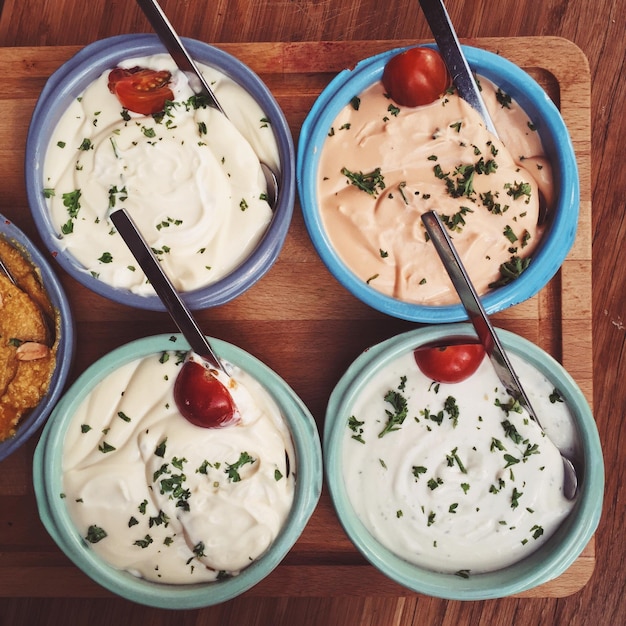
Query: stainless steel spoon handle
170	39
163	286
5	270
172	42
450	49
487	333
475	310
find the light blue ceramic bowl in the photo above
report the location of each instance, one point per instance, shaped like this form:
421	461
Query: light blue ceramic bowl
47	479
547	563
65	337
71	79
557	240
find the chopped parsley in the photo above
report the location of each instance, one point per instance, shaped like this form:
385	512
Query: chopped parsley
143	543
105	447
397	415
160	449
417	470
355	426
233	469
95	534
370	182
510	270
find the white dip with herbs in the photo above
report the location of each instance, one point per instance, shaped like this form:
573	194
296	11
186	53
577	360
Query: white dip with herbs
454	477
383	166
164	499
191	179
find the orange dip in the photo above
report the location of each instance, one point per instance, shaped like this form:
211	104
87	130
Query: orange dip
434	157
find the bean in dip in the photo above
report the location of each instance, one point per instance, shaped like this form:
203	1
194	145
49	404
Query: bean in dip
26	359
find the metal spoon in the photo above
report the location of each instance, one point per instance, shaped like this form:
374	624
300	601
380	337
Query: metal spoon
452	53
200	396
174	45
5	270
163	286
486	332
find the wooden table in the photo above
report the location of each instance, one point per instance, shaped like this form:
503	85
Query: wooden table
41	586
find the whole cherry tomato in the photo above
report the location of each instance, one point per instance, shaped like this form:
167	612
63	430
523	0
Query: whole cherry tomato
202	398
449	364
141	90
416	77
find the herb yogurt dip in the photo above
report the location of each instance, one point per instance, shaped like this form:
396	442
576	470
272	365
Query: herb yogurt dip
190	178
164	499
383	166
456	478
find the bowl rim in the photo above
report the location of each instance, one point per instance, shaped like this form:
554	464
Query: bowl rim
47	481
557	142
563	548
71	78
31	422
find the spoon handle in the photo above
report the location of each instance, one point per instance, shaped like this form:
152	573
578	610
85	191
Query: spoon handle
174	45
486	332
452	53
5	270
475	310
163	286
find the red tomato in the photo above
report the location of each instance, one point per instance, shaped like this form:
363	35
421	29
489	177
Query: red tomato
416	77
141	90
449	364
202	398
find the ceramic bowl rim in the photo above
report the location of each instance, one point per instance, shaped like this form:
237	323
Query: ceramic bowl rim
11	233
70	79
551	252
47	480
550	561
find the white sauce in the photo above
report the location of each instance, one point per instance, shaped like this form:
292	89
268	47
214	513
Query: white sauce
127	437
192	183
412	494
380	235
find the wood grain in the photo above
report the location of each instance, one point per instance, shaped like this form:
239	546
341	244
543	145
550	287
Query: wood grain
598	29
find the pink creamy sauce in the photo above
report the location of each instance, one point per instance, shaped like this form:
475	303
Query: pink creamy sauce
380	236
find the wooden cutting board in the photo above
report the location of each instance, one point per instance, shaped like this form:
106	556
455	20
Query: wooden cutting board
297	319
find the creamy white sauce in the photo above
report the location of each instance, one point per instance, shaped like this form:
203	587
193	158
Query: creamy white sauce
192	183
380	235
178	503
437	491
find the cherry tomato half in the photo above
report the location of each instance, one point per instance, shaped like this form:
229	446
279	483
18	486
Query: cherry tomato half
416	77
141	90
449	364
202	398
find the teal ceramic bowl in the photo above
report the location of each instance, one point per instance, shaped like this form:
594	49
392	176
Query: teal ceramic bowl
47	477
550	560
